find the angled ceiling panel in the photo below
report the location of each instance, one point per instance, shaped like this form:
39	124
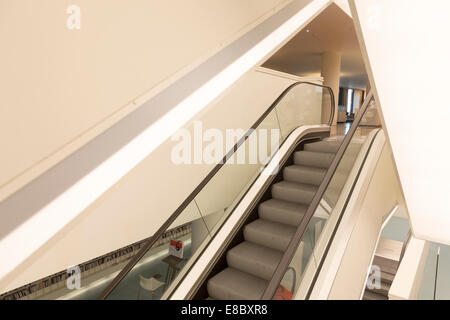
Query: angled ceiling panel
405	46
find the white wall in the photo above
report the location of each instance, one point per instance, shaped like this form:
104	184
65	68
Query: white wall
408	279
61	87
343	4
407	54
135	207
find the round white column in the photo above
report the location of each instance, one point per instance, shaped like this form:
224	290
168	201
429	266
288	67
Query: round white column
331	71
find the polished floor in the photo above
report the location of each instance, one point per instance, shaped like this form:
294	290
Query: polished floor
341	129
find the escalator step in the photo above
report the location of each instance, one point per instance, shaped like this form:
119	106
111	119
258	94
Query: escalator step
269	234
254	259
232	284
369	295
294	192
384	289
387	277
314	159
329	146
304	175
282	212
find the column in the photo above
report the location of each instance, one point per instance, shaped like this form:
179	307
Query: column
331	71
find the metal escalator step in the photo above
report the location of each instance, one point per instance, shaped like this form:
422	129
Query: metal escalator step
313	159
329	146
370	295
269	234
304	175
232	284
387	277
294	192
254	259
384	289
282	212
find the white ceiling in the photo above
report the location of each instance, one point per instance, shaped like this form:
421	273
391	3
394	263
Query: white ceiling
332	30
343	4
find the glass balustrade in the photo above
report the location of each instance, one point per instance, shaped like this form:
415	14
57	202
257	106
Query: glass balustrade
318	233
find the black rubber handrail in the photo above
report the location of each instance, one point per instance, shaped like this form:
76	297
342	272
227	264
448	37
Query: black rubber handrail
438	254
147	246
301	229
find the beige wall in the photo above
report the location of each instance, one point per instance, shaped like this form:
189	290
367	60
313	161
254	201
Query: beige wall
61	87
382	195
137	205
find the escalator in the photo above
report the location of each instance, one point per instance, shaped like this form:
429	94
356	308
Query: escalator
285	197
275	228
246	268
253	234
252	263
248	230
280	249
